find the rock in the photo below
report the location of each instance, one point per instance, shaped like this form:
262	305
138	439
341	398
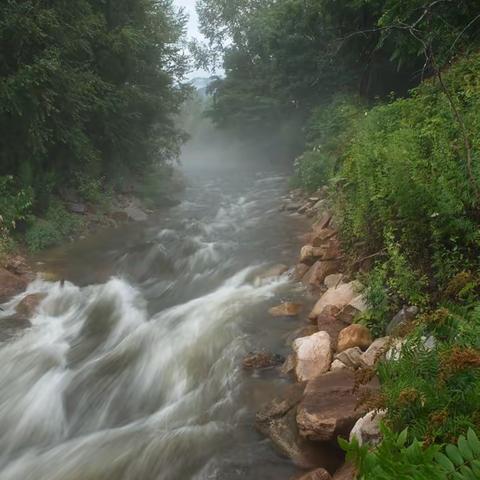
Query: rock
135	213
304	331
300	270
319	271
395	350
274	271
348	314
354	336
18	266
119	216
318	474
333	280
376	351
338	296
322	237
351	358
328	322
367	429
323	222
260	360
330	406
332	250
346	472
313	355
401	319
78	208
289	365
309	254
29	304
277	421
287	309
10	285
337	365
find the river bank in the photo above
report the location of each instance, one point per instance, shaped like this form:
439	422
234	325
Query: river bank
332	360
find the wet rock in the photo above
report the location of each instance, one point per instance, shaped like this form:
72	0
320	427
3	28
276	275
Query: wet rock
309	254
318	474
313	355
367	429
274	271
337	365
333	280
317	273
328	322
119	216
10	285
300	270
304	331
346	472
287	309
277	421
401	320
338	296
289	365
351	358
354	336
376	351
261	360
330	406
28	306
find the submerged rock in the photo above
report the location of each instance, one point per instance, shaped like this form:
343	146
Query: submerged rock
27	307
313	355
274	271
261	360
287	309
330	406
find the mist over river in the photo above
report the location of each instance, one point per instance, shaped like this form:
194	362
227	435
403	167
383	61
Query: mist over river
131	368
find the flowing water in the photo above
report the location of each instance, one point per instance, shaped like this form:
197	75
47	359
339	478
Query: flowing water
131	368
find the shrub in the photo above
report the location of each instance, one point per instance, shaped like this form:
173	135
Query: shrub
51	230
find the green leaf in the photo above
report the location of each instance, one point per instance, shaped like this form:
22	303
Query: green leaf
454	454
465	450
445	462
402	438
473	441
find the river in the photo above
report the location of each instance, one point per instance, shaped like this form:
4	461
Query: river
131	368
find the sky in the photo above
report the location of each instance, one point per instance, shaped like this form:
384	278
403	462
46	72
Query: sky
192	29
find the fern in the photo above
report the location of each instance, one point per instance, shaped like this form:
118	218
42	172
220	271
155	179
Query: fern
395	458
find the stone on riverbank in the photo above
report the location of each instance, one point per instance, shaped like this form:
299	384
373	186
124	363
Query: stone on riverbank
313	355
354	336
339	296
346	472
351	358
376	351
318	474
401	320
329	322
330	405
317	273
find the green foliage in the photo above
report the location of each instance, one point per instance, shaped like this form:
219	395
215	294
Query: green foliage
402	460
87	88
56	225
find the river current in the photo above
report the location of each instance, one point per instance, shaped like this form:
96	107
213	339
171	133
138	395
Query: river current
131	367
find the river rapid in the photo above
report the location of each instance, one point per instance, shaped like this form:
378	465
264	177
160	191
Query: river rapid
131	368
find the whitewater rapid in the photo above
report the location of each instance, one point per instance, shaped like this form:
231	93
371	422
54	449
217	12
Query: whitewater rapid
138	377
